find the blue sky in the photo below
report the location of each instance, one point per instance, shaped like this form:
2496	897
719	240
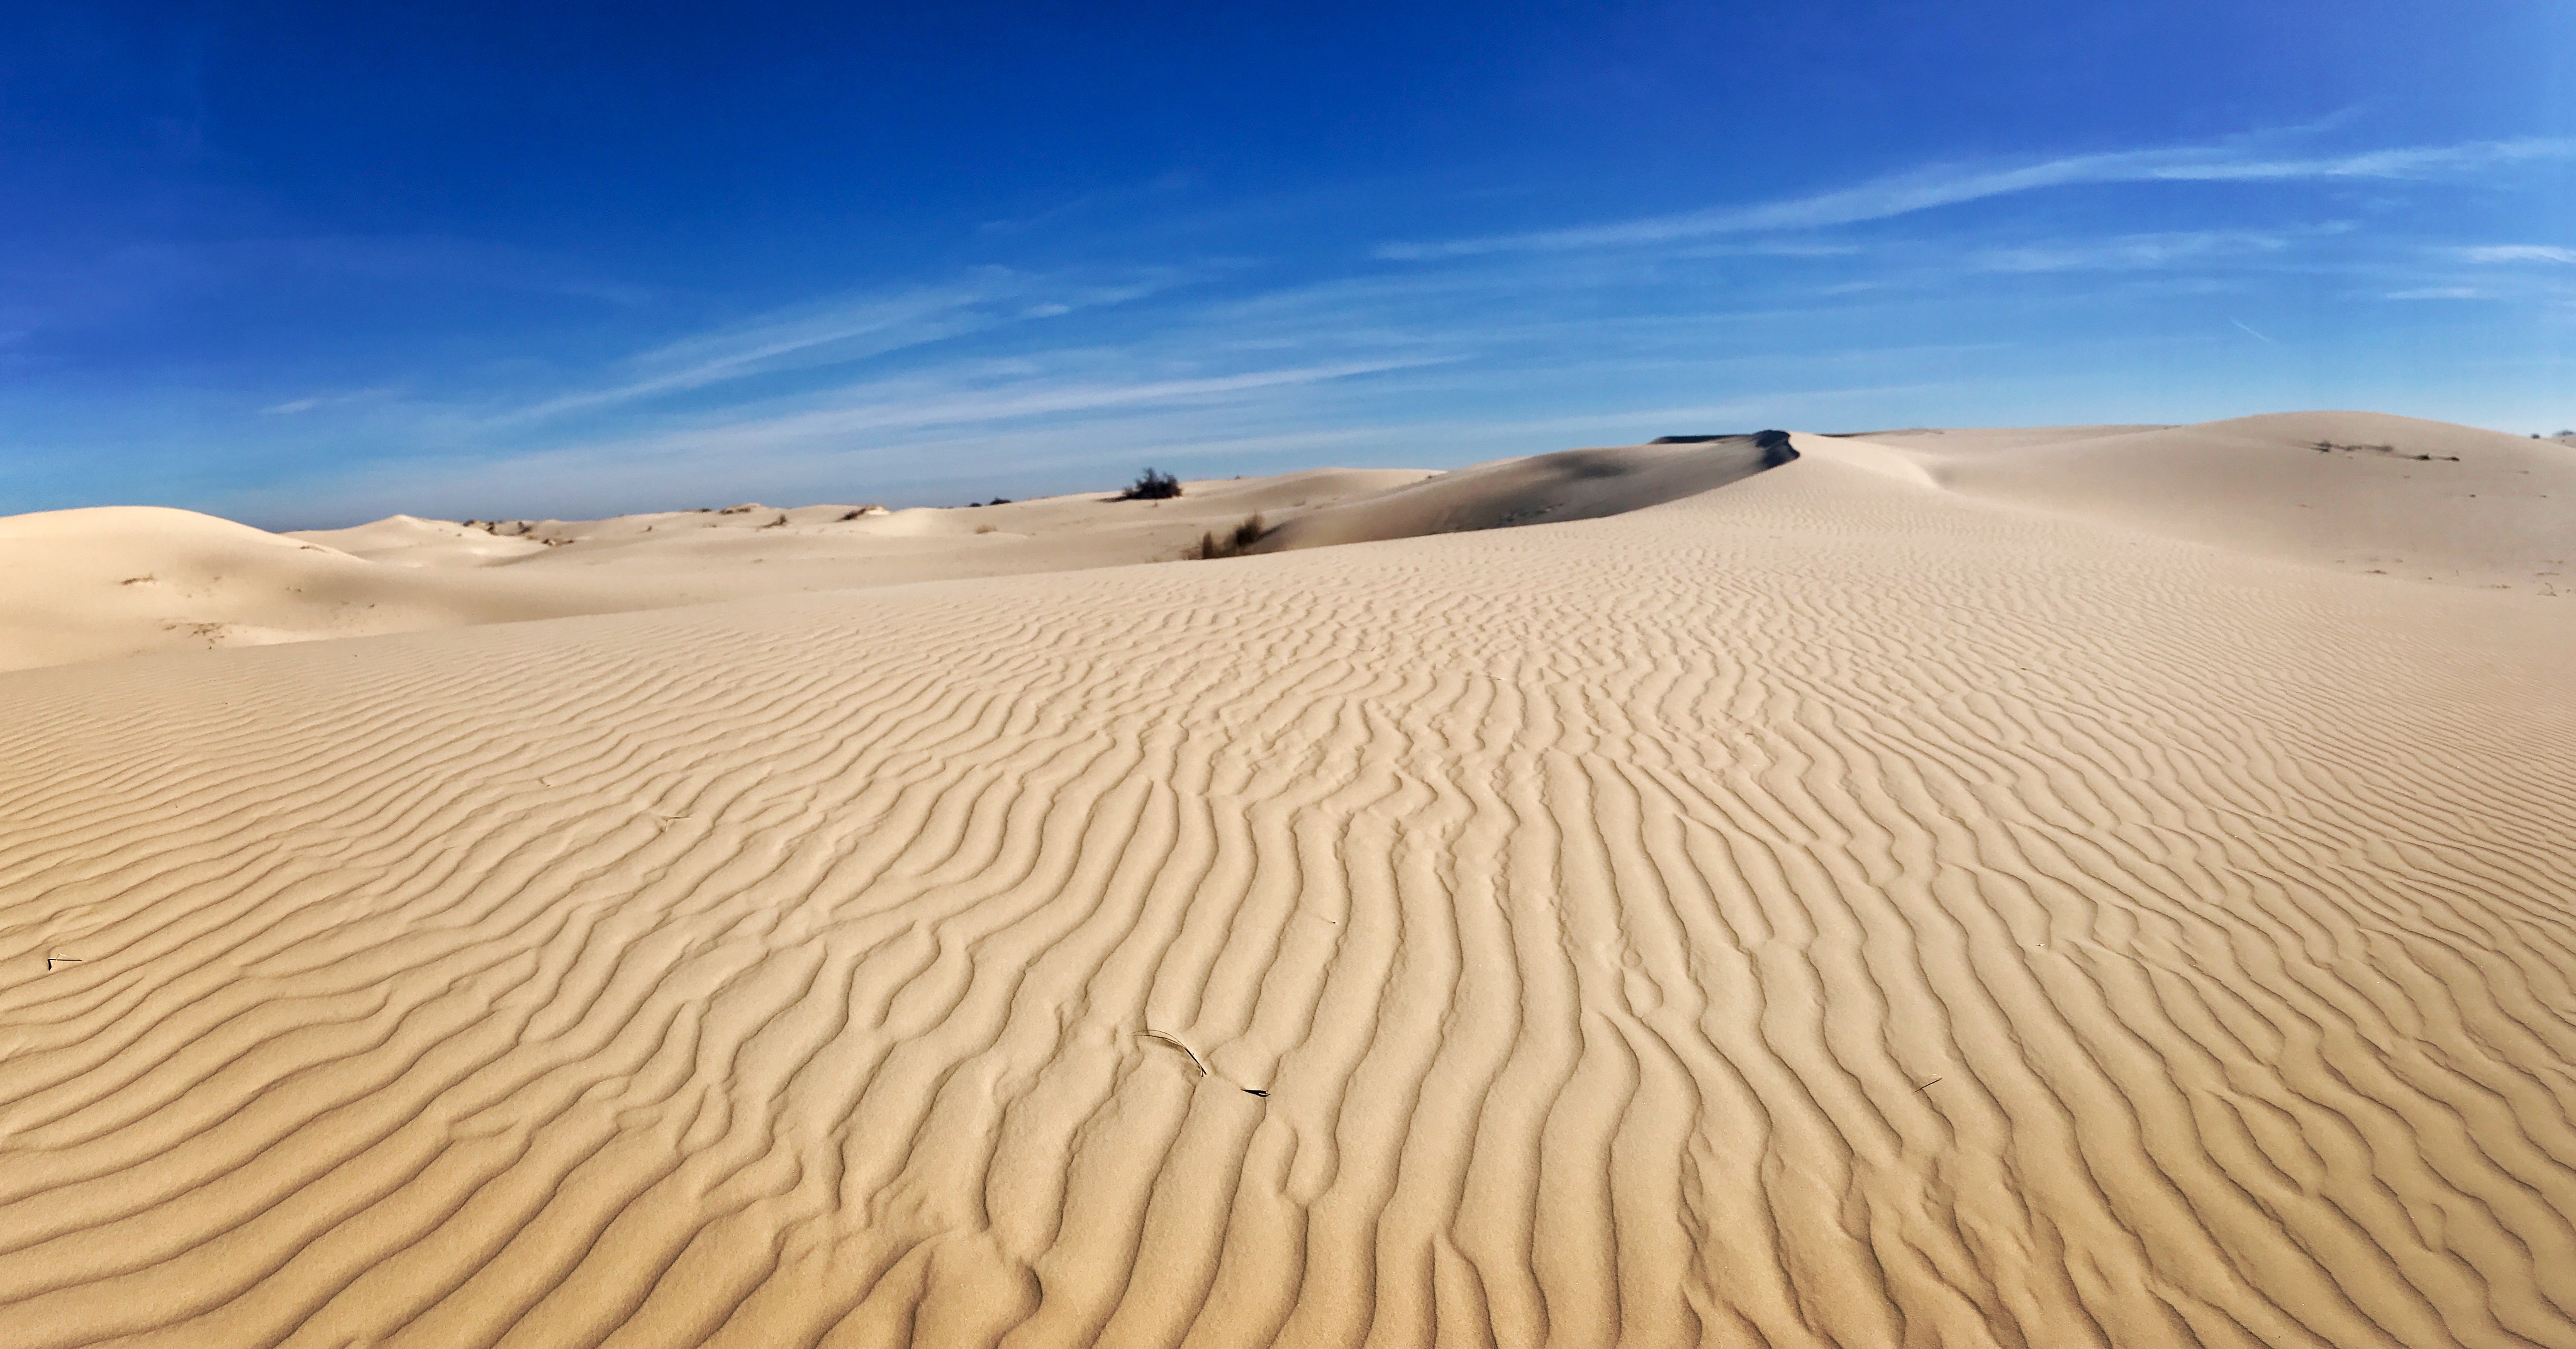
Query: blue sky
306	265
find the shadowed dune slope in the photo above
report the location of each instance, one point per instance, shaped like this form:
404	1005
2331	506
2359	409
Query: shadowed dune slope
1824	912
1537	489
2360	491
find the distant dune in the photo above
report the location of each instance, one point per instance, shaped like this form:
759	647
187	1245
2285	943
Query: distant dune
86	584
2083	886
113	581
2356	491
2392	496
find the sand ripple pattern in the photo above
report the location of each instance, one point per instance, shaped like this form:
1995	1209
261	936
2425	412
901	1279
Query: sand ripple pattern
1819	913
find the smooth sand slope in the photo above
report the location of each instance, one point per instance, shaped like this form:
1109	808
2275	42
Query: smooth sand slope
2357	491
1830	909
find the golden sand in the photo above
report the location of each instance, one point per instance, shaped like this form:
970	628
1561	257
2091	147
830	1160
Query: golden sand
1891	899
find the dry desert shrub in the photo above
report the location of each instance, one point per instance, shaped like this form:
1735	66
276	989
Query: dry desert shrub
1151	486
1234	541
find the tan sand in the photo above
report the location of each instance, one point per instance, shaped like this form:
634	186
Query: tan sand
89	584
2357	491
86	584
1835	908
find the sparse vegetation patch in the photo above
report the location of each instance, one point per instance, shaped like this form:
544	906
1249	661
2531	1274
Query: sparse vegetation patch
1151	486
1234	541
2330	447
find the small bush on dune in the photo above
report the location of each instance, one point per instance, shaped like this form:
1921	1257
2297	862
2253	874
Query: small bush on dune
1234	541
1151	486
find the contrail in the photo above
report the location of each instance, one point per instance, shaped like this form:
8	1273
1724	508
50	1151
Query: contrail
2258	336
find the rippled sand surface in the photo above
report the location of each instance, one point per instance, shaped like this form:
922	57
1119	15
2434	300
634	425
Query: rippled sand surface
1843	907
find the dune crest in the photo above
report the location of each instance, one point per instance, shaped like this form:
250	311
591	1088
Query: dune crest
1538	489
408	540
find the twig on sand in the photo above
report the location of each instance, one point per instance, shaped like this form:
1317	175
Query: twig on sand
1175	1043
52	961
1928	1085
1255	1091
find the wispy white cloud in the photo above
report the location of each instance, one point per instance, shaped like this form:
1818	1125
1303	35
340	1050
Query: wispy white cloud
844	330
141	280
951	401
1949	185
2437	293
293	406
971	425
2131	252
2520	253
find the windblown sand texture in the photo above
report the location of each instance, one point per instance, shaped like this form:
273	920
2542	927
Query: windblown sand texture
1875	902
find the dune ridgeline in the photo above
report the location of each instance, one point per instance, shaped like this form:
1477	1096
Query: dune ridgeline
2086	886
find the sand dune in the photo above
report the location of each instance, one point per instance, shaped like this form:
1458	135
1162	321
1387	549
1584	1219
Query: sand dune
1537	489
85	584
407	540
1831	909
2358	491
90	584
